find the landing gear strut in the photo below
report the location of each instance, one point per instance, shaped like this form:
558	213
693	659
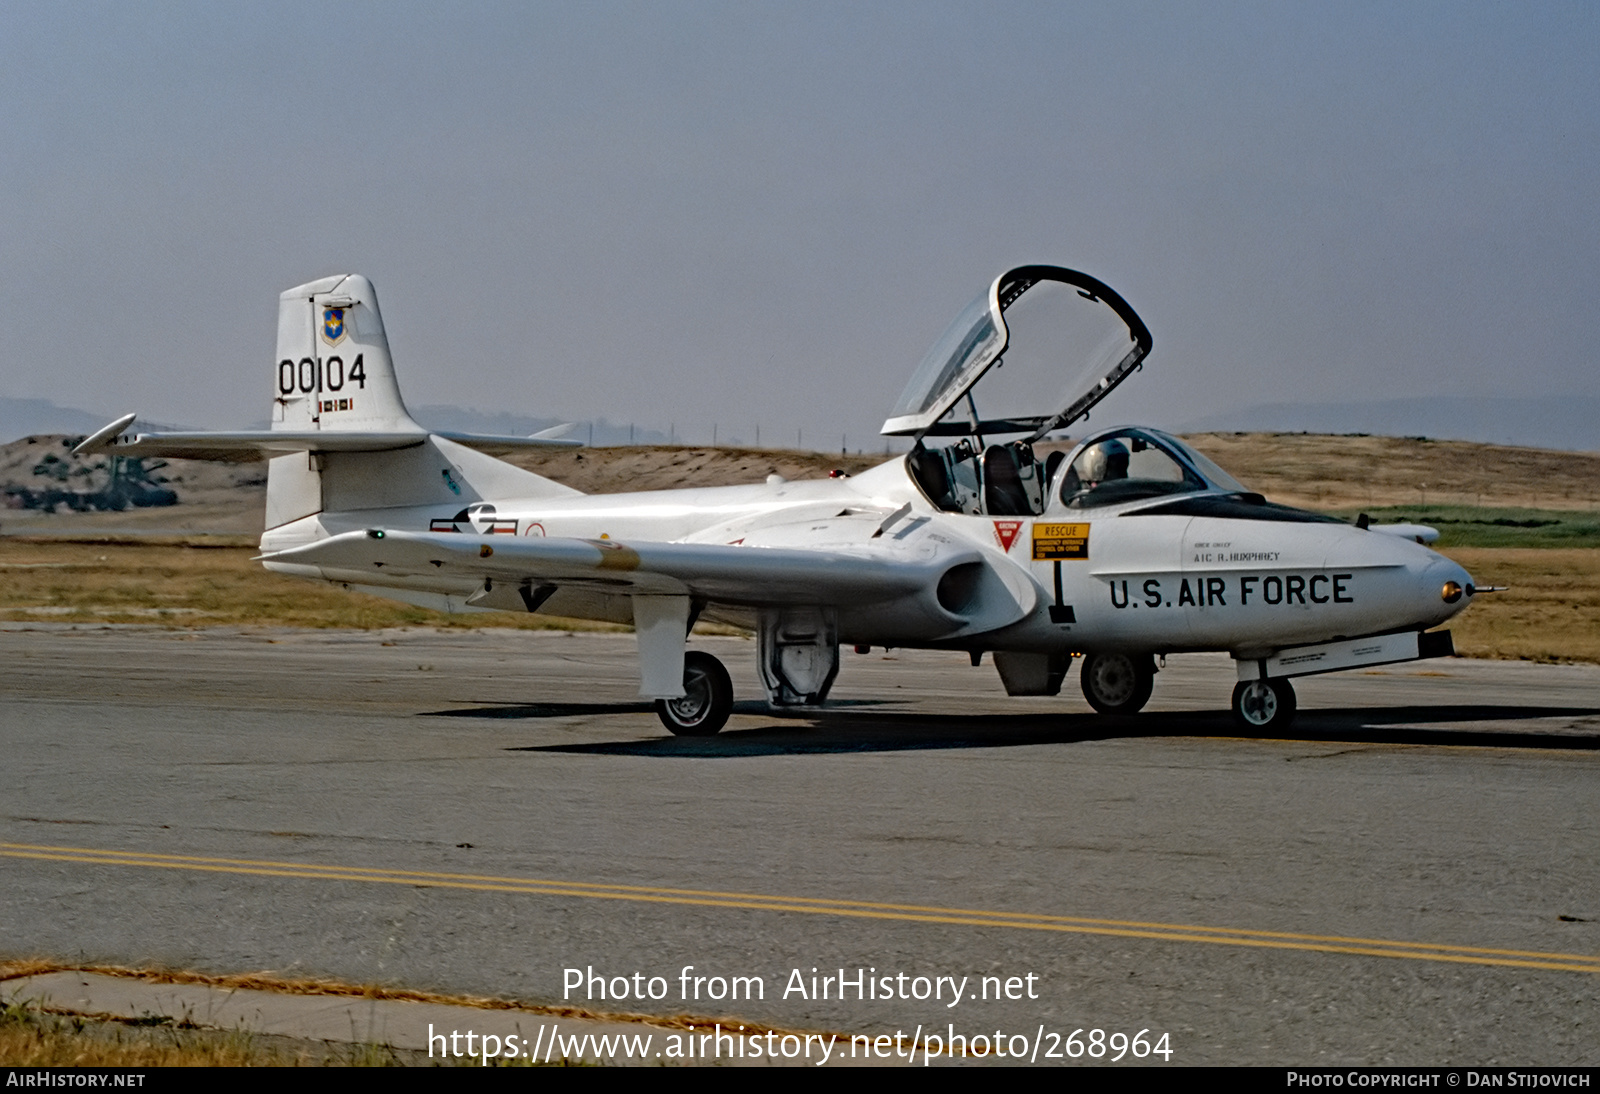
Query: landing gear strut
1117	683
707	700
1263	704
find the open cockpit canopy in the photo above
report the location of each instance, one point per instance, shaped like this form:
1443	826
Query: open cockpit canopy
1033	354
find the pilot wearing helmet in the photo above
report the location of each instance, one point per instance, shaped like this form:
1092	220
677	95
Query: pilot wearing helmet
1104	462
1098	465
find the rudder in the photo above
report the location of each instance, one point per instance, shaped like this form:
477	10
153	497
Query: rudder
333	368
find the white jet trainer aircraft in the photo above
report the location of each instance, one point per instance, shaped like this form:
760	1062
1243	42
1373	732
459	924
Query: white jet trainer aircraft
1132	545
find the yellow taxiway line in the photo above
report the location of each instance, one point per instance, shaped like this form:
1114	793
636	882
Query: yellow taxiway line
913	913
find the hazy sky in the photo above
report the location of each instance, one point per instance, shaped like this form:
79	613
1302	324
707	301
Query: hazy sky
686	213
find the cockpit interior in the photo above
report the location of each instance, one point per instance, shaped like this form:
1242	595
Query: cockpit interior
1112	468
1020	364
1003	480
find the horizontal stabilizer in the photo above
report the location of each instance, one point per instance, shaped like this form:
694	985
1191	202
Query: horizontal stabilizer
245	446
1419	532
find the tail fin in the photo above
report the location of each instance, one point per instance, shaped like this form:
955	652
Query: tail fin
335	376
334	372
341	437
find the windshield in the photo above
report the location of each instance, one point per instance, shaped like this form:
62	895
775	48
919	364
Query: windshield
1129	465
1216	475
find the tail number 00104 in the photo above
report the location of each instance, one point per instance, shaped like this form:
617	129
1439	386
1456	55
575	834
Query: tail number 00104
315	374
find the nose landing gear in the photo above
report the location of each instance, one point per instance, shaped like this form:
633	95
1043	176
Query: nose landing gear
1263	705
707	700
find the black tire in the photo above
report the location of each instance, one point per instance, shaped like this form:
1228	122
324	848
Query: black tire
1263	706
1117	683
707	699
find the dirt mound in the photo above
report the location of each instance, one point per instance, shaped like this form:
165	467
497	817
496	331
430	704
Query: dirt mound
45	488
45	462
1312	470
613	470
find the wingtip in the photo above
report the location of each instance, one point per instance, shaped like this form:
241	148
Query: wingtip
104	435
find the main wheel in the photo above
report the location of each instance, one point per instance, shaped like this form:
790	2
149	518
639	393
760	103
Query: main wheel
1263	704
1117	683
707	698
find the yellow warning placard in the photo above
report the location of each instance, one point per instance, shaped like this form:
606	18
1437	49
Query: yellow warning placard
1060	541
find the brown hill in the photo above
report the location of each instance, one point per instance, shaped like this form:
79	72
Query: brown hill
645	467
1313	470
1346	472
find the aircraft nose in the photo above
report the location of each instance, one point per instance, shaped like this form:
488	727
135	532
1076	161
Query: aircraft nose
1448	586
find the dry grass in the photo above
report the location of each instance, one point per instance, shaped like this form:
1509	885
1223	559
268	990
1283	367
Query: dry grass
1551	612
33	1038
267	981
1463	526
201	583
30	1037
1331	472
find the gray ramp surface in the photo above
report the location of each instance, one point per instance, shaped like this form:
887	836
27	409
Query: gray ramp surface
1410	879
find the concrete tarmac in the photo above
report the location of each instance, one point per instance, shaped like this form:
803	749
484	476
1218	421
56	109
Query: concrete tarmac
1411	879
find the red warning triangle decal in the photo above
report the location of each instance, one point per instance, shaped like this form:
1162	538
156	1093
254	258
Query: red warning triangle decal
1006	532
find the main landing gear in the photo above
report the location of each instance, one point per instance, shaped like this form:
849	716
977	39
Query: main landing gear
1117	683
1263	705
707	700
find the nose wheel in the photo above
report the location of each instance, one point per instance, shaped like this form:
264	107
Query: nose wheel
1263	704
707	698
1117	683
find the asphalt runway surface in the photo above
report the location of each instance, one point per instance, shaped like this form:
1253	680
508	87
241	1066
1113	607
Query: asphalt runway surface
1413	878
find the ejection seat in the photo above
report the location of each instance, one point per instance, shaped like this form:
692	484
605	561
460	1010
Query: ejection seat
1011	481
930	473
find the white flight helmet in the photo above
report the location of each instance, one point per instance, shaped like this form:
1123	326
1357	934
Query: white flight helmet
1106	460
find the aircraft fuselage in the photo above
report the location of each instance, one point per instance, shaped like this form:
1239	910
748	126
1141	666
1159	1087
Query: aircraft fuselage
1107	580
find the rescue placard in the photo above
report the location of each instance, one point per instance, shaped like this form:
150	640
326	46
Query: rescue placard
1060	541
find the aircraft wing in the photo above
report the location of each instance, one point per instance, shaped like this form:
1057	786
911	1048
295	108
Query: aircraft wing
747	576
